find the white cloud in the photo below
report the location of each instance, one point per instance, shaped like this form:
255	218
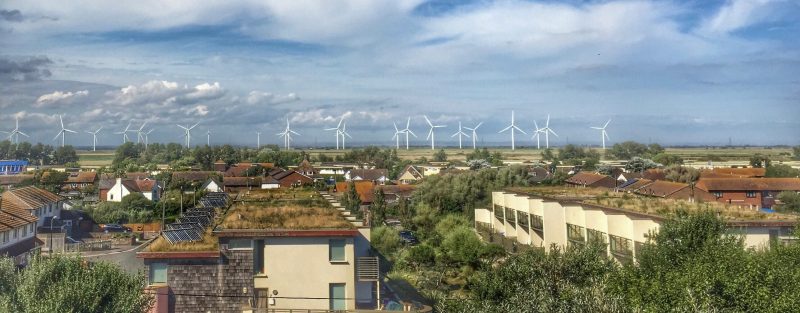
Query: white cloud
738	14
58	96
261	97
165	94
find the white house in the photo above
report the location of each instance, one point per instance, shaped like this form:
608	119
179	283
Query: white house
212	185
378	176
149	188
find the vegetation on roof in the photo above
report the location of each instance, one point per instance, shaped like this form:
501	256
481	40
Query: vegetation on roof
208	243
259	216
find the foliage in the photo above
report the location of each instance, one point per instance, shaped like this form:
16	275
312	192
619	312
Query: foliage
681	174
759	160
668	159
782	170
37	154
421	255
574	155
495	158
548	155
638	165
52	180
630	149
134	208
605	170
790	201
556	179
477	164
385	239
440	156
462	246
64	155
534	281
67	284
350	199
377	208
796	153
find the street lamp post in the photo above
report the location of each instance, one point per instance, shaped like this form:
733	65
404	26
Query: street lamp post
181	200
51	233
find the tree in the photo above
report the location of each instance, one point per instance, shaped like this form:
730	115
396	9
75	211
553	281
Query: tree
796	153
64	155
462	246
782	170
667	159
758	160
385	239
404	211
681	174
440	156
67	284
638	165
570	280
627	150
350	200
790	201
377	208
136	201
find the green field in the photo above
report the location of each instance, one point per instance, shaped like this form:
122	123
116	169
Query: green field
95	158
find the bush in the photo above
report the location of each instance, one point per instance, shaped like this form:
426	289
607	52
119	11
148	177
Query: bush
462	246
385	239
790	201
421	255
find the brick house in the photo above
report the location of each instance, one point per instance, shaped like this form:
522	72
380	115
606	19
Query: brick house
749	192
587	179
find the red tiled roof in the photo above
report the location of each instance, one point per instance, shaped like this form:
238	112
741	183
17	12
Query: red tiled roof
145	185
661	188
14	179
30	197
749	184
192	176
740	172
585	178
241	181
82	177
364	189
638	184
654	174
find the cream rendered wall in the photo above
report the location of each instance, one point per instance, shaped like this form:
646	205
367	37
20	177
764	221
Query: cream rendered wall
362	248
555	227
574	214
596	219
299	267
535	207
483	215
643	226
620	225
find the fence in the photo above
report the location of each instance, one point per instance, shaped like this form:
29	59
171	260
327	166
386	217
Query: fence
88	246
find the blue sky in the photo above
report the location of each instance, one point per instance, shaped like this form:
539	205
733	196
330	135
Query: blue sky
673	72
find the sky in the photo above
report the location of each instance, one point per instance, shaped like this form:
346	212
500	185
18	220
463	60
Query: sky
669	72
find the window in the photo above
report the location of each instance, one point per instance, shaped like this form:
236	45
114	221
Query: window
337	297
32	229
511	217
717	194
595	236
258	257
261	298
5	236
158	273
621	248
537	223
575	234
24	231
16	233
240	244
522	220
750	194
336	250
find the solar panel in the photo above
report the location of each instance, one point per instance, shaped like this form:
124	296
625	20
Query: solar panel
183	226
187	234
203	220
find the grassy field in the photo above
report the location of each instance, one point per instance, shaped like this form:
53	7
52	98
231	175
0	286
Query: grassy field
699	154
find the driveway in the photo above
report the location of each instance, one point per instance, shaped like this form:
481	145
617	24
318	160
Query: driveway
124	256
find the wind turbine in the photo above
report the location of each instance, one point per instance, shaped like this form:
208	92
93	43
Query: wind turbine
287	135
603	134
146	134
459	133
63	132
512	127
344	133
396	136
258	140
16	132
124	133
547	131
431	134
337	131
139	132
94	138
474	134
536	132
407	131
188	133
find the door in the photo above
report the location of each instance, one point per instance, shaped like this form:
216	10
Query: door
337	297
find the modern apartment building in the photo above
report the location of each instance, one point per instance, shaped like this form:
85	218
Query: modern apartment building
540	221
263	256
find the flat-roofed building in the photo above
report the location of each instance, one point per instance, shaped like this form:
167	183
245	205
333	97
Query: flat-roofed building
264	253
541	221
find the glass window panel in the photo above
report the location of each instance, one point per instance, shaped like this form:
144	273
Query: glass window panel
158	273
336	250
337	295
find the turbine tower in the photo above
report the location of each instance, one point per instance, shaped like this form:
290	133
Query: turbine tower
146	134
512	127
407	131
140	132
396	136
208	137
344	133
547	131
258	140
536	133
14	134
474	134
431	134
337	130
63	132
287	135
460	134
188	133
124	133
94	137
603	134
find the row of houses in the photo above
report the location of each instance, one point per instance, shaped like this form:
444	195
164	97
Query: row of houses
25	212
754	191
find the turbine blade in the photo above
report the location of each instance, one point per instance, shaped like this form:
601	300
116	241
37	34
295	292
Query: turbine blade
180	127
595	127
395	127
348	135
69	130
505	129
429	134
412	133
408	122
59	134
293	132
427	120
606	134
21	133
535	125
520	130
61	120
479	125
609	121
195	125
552	132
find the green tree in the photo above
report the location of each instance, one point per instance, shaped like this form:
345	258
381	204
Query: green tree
759	160
638	165
350	200
440	156
796	153
667	159
681	174
462	246
782	170
790	201
627	150
385	239
377	208
66	284
136	201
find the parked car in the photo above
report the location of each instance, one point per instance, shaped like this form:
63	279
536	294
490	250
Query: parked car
115	228
408	237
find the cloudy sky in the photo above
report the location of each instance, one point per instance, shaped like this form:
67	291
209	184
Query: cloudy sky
673	72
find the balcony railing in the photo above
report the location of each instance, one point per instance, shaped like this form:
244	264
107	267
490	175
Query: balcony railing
537	223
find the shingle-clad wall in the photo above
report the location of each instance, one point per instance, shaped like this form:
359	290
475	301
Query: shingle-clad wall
210	285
